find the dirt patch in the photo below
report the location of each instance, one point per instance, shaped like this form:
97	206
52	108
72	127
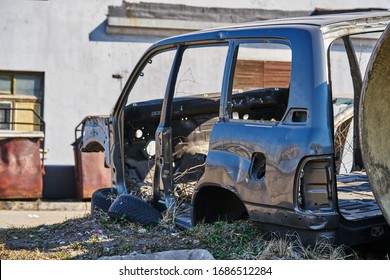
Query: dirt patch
87	238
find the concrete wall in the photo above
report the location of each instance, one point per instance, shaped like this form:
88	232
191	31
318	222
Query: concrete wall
54	37
287	5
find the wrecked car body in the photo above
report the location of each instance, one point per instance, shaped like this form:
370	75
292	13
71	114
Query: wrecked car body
245	118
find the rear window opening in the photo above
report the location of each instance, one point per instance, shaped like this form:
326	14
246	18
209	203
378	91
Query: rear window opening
261	81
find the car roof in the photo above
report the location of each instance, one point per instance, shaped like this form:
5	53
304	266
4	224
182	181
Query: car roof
326	23
318	20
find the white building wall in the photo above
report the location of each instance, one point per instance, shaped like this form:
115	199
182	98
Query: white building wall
53	37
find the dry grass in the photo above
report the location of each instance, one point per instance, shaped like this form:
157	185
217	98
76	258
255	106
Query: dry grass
291	248
169	216
36	254
189	171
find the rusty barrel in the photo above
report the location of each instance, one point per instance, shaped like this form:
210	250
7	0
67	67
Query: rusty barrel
374	120
21	167
90	172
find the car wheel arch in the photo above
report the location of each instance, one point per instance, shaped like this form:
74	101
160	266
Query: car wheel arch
213	202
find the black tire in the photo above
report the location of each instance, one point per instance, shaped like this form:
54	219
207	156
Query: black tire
135	210
102	199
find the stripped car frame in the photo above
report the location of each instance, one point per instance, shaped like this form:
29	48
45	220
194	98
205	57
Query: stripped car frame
281	172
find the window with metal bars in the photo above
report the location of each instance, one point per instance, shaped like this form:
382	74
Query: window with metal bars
5	115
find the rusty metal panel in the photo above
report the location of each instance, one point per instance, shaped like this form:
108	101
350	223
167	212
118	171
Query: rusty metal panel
20	168
90	172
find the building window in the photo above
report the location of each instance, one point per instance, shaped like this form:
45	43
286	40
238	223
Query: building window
5	115
5	84
21	100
